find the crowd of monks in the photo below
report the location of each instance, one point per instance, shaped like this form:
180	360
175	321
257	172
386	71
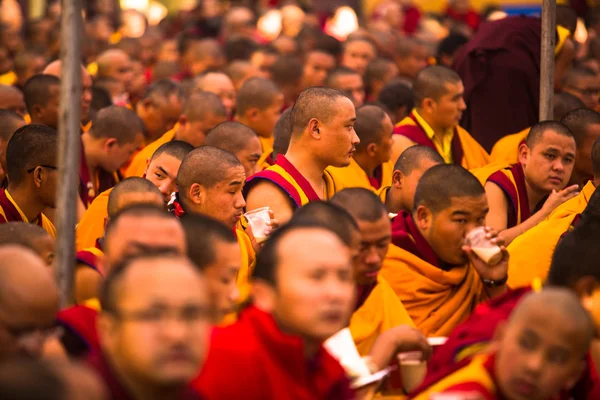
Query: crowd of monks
373	161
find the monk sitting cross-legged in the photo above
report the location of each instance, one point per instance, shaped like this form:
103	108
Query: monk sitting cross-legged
322	135
524	194
435	274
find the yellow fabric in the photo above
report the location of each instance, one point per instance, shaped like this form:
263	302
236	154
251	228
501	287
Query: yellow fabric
506	150
86	127
27	118
266	144
382	193
483	173
93	303
91	226
248	260
511	178
92	68
436	300
138	163
444	148
330	187
47	225
576	205
475	371
563	34
381	311
474	156
8	79
354	176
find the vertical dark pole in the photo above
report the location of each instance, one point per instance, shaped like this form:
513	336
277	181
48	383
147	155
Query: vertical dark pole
547	59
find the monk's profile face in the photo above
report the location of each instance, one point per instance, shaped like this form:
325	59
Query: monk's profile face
158	333
540	355
224	201
583	161
549	163
384	146
250	155
446	230
117	154
221	278
375	240
159	115
448	109
407	185
314	291
586	89
337	137
263	121
194	132
162	171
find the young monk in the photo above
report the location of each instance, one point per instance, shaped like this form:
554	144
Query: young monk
28	305
201	113
161	170
524	194
370	167
409	168
303	293
539	352
439	104
31	169
29	236
239	140
259	104
322	135
88	270
115	135
584	124
153	328
41	94
10	121
160	108
214	249
429	252
349	82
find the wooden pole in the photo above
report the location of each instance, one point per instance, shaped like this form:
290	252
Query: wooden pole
547	59
69	143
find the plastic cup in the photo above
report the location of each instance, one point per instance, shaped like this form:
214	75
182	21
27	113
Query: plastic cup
489	252
341	346
412	369
259	222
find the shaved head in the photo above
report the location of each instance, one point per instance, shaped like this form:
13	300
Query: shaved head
230	136
441	183
362	204
205	165
11	99
10	121
107	61
207	48
30	146
411	158
258	93
564	103
282	133
30	236
132	191
331	215
430	83
201	105
369	126
318	103
174	148
117	122
536	133
579	120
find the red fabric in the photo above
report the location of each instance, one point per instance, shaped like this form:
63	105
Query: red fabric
516	195
81	321
12	214
376	180
406	235
471	18
254	359
90	259
87	191
412	17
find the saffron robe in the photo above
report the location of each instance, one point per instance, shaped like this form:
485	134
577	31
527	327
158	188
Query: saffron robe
10	212
91	186
137	167
267	364
465	149
291	182
265	161
266	144
512	182
506	150
354	176
437	300
91	226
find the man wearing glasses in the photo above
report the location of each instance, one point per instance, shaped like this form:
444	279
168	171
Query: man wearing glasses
584	84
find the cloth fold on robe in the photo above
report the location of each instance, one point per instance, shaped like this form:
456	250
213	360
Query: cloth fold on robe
91	186
506	150
91	257
437	300
266	144
137	167
265	161
10	212
291	182
512	182
466	151
576	205
80	323
354	176
92	224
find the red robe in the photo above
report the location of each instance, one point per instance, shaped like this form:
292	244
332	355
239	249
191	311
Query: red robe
254	359
516	192
79	323
104	180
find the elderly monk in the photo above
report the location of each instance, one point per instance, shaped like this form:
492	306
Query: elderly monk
28	304
506	150
153	328
160	108
213	248
88	271
439	104
408	170
31	169
286	294
29	236
239	140
42	97
524	194
558	325
435	274
584	124
201	113
11	99
10	121
161	170
322	135
259	104
55	68
370	167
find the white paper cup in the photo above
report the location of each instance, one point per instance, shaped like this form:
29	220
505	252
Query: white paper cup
412	369
259	222
489	252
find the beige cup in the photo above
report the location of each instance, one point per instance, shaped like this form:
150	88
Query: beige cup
489	252
259	222
412	369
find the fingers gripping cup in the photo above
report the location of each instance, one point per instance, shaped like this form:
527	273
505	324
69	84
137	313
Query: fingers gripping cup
489	252
259	220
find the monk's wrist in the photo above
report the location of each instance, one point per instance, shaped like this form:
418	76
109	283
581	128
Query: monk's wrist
494	283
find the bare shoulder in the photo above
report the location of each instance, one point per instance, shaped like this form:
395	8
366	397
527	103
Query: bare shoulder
267	194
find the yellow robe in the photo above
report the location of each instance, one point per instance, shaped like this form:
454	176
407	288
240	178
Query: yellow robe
436	300
47	225
381	311
506	150
266	144
8	79
139	161
531	253
354	176
91	226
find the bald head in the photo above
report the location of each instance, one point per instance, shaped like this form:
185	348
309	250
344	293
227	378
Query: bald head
536	133
30	236
578	121
318	103
174	148
372	125
362	204
109	61
430	83
564	103
202	105
230	136
205	165
412	157
240	71
31	146
11	99
207	48
55	68
132	191
117	122
10	121
257	93
329	215
282	133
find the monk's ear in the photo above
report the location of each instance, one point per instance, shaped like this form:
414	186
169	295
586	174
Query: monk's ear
523	153
314	128
429	105
423	217
397	179
183	120
372	149
196	193
263	295
110	143
252	113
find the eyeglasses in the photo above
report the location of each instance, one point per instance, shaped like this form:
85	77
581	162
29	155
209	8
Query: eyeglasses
30	170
